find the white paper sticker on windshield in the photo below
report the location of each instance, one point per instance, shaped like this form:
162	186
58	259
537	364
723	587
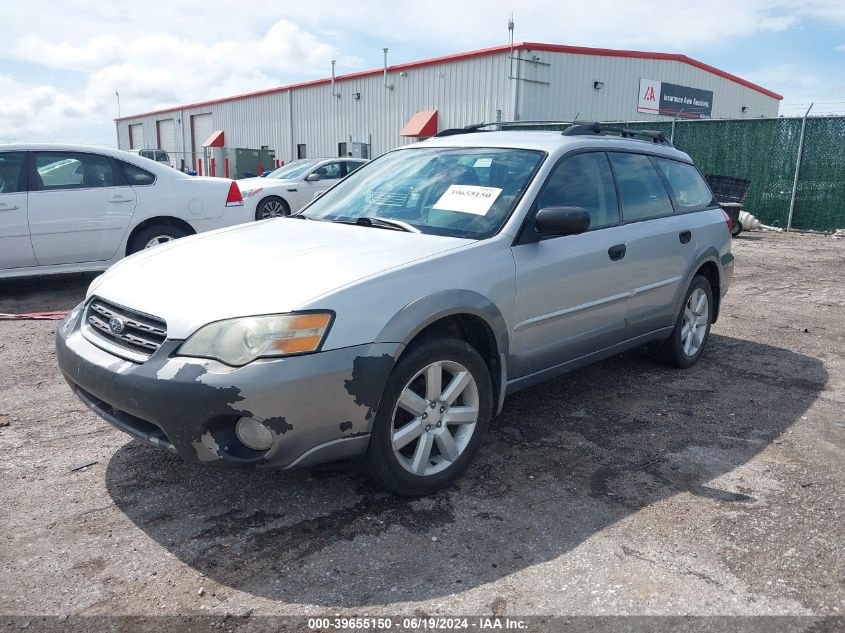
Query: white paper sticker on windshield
468	199
483	162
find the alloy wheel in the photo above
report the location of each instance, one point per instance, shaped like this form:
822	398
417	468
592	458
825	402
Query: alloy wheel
696	318
433	424
159	239
272	209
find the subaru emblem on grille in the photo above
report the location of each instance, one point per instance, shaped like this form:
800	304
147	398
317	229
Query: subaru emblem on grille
116	325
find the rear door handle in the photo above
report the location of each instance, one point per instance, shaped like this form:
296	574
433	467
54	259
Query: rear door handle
685	236
8	207
120	199
617	252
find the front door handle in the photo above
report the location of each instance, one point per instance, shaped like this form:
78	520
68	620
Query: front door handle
120	199
8	207
685	236
617	252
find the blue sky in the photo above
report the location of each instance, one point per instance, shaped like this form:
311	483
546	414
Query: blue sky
62	62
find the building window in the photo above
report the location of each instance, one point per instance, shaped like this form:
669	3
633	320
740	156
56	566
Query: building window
300	151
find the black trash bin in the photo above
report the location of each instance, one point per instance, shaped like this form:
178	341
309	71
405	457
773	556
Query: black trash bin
730	193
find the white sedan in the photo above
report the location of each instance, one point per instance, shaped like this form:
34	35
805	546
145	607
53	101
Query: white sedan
289	188
74	208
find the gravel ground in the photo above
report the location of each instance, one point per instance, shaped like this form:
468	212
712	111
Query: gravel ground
623	488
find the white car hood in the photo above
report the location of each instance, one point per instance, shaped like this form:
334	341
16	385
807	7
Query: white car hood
268	267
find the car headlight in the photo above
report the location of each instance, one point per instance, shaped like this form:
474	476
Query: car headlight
249	193
240	341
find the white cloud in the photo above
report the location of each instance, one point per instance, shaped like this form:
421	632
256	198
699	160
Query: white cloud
177	51
150	70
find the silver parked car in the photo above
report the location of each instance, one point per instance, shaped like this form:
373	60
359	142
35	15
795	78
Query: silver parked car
419	292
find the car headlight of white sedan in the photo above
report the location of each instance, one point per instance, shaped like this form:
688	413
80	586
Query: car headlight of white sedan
251	193
241	341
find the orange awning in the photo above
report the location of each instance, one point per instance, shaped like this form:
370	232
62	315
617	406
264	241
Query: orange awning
423	124
215	140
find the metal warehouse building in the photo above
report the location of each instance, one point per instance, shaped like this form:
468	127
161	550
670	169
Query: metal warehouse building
368	113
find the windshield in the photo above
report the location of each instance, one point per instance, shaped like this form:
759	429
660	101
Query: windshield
462	192
293	170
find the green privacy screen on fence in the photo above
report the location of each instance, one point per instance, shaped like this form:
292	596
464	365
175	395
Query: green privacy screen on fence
764	151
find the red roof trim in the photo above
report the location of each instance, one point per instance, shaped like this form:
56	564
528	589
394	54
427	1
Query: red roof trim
675	57
533	46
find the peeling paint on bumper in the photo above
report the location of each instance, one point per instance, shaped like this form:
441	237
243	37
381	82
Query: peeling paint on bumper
314	404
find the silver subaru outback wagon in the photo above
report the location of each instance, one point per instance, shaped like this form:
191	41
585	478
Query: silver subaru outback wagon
406	303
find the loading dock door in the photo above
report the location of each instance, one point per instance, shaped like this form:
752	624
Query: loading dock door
167	139
136	136
201	129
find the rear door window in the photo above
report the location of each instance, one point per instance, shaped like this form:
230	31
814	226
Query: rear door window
640	189
71	170
690	190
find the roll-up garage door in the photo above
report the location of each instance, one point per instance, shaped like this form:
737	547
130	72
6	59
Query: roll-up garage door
201	129
136	136
167	139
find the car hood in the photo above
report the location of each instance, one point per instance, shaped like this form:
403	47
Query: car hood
268	267
254	183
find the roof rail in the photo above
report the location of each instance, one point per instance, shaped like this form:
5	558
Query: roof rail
478	127
580	129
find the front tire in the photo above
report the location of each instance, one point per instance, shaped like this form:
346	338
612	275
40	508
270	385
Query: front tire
154	236
432	419
271	207
692	329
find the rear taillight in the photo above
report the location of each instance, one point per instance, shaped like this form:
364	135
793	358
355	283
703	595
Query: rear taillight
728	221
234	199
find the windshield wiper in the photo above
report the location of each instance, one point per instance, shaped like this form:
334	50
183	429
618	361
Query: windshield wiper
381	223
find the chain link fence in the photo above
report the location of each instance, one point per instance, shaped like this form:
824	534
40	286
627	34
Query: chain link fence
765	151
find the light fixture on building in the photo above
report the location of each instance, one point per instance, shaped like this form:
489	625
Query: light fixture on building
598	85
356	95
745	108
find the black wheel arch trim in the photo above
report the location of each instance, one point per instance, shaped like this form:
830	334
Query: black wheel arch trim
709	255
419	314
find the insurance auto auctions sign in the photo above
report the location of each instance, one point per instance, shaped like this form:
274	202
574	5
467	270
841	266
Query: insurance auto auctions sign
659	97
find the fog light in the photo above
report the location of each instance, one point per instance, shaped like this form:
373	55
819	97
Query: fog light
254	434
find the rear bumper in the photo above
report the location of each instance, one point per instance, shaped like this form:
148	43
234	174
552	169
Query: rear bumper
319	406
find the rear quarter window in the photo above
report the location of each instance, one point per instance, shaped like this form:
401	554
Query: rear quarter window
690	190
137	176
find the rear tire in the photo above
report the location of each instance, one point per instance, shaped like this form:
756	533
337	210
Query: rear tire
737	228
424	442
692	329
153	236
272	207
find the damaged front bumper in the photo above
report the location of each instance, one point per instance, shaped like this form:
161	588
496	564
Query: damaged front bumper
319	407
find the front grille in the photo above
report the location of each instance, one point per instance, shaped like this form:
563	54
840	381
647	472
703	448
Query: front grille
138	334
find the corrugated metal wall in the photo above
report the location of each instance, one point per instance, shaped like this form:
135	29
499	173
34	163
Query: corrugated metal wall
552	85
568	88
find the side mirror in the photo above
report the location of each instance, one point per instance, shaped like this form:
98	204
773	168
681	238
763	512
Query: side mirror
562	221
313	177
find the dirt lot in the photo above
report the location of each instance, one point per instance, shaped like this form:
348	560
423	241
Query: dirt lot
624	488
